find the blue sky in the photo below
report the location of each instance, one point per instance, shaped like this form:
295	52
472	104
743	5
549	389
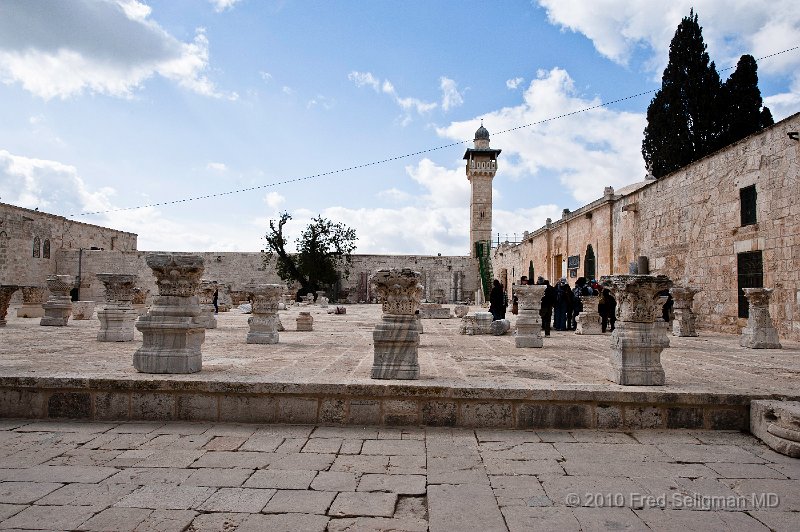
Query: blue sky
117	104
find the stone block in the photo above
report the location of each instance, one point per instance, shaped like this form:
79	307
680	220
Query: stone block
439	413
494	415
247	408
400	412
554	416
608	417
777	424
305	322
116	324
500	327
332	410
727	418
461	310
297	410
76	405
197	407
643	417
684	417
82	310
22	403
396	339
112	406
152	406
365	412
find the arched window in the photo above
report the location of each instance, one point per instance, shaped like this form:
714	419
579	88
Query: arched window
531	278
588	264
46	249
36	247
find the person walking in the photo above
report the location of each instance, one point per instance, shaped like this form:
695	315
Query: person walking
497	301
607	308
548	300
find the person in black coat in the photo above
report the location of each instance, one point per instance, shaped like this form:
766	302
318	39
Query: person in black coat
497	301
548	300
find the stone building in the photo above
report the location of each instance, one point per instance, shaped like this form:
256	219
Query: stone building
728	221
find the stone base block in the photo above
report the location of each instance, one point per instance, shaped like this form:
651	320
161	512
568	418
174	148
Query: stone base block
528	341
461	310
637	376
500	327
396	340
256	337
760	338
777	424
170	344
588	323
167	361
56	316
82	310
116	325
30	311
636	353
209	321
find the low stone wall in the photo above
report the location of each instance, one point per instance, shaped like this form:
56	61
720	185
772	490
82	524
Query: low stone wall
138	400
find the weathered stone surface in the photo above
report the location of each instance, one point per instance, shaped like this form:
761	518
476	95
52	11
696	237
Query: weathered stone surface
500	327
759	333
305	322
173	330
205	295
463	507
461	310
777	423
396	336
264	321
529	323
433	311
684	322
589	319
6	291
637	340
82	310
478	323
32	299
118	317
58	307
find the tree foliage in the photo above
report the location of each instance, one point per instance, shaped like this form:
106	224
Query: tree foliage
323	253
694	114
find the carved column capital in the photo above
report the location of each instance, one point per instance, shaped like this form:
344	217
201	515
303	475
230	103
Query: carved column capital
177	274
636	295
119	286
399	290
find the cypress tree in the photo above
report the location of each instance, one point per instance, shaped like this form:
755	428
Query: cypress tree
684	118
744	114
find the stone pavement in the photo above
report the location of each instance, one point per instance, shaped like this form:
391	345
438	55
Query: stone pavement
61	475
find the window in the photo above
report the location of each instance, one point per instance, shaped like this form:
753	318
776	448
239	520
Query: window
588	263
750	274
747	201
36	247
46	249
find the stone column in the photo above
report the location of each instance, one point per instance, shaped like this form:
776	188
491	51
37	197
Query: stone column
684	322
529	322
759	333
118	316
206	296
637	340
589	319
58	307
264	320
305	322
32	299
396	337
173	329
6	291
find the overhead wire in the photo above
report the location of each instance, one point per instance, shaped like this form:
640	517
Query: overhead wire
394	158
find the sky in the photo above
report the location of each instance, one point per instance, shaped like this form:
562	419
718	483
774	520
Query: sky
359	111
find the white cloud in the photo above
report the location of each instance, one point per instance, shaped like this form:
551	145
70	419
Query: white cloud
217	167
322	101
103	47
514	83
406	103
451	97
618	28
287	90
584	152
266	76
395	195
222	5
274	200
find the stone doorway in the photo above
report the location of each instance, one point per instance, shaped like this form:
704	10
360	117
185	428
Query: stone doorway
558	261
750	274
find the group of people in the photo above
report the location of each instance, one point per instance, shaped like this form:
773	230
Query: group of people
560	303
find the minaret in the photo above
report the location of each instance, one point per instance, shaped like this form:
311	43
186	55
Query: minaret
481	167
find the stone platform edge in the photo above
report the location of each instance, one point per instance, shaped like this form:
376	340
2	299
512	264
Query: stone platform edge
365	404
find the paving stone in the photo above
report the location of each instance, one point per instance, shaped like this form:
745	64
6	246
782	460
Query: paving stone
130	458
296	501
335	481
291	446
84	457
170	458
408	465
25	492
524	451
218	477
284	479
555	436
175	442
608	519
456	470
729	470
217	522
322	445
359	433
788	491
225	443
361	463
685	452
636	469
612	452
449	448
393	447
284	523
777	521
463	507
350	446
245	460
119	441
520	490
263	443
96	495
132	427
243	500
601	436
400	484
522	467
664	436
167	521
52	517
7	510
688	520
144	476
348	504
183	427
377	524
525	519
293	431
514	437
583	491
303	461
88	427
166	497
237	430
85	474
117	519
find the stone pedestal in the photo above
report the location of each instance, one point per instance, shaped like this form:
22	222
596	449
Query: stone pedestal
589	321
759	333
6	291
173	330
118	316
82	310
483	322
639	336
32	299
396	336
529	322
206	296
305	322
58	307
429	311
777	423
684	322
264	322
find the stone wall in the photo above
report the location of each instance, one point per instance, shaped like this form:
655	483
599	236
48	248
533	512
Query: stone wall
688	225
22	230
442	276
